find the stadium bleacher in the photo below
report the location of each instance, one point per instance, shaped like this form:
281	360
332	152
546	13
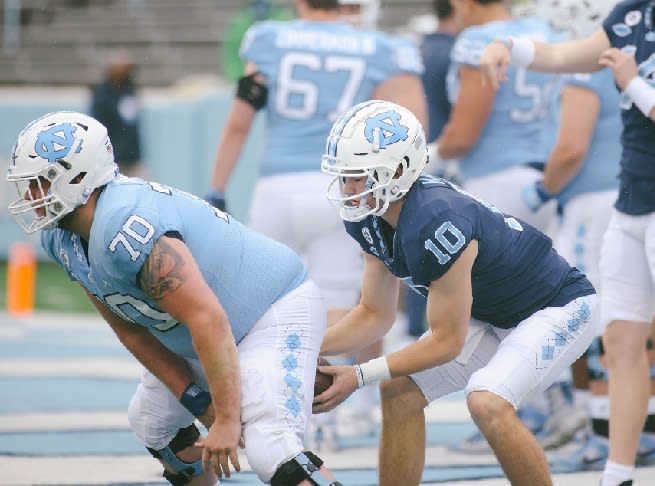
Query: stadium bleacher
65	42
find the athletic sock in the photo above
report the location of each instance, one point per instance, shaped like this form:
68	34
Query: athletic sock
617	474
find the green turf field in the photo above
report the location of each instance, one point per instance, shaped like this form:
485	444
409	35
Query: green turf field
54	291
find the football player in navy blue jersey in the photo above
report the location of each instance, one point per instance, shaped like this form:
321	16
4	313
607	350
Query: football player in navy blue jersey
304	73
506	313
627	263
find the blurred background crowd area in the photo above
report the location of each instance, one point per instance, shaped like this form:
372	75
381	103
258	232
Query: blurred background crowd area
65	42
55	54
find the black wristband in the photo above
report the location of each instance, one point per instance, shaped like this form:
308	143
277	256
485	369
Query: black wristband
195	399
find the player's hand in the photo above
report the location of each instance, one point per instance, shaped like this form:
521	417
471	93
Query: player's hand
493	63
220	447
343	385
217	199
622	64
535	195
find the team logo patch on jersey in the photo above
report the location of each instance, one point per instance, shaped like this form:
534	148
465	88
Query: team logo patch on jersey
621	30
385	129
63	256
367	235
633	18
56	142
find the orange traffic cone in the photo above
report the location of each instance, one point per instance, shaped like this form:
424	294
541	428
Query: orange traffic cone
21	278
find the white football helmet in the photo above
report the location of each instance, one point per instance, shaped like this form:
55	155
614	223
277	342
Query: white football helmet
69	150
367	18
365	149
578	18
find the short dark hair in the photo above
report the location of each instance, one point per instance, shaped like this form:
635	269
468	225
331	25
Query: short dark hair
323	4
442	8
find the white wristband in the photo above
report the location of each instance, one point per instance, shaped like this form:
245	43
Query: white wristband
642	94
374	371
522	51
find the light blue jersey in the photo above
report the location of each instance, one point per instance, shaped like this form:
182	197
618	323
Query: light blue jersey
246	271
315	71
513	132
600	169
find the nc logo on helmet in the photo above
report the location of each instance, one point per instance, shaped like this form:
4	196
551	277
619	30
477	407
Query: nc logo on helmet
387	127
56	142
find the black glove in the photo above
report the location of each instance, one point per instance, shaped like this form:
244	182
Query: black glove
217	199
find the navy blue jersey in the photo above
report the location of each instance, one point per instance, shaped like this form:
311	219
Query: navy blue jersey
435	51
516	273
629	27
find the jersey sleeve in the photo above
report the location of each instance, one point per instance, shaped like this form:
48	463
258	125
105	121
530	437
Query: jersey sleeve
257	42
406	57
441	239
53	242
394	56
357	232
468	48
48	243
129	236
617	25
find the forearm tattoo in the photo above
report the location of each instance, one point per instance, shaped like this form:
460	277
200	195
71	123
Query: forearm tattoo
162	271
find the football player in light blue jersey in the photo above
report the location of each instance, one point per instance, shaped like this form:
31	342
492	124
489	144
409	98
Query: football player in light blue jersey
506	313
625	45
497	136
581	173
226	322
305	73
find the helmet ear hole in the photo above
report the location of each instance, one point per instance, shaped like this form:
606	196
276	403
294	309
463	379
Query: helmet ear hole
78	178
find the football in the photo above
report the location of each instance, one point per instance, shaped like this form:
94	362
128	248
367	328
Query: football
322	381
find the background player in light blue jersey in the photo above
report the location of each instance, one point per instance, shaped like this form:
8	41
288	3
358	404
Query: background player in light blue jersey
225	321
506	313
627	266
497	137
581	174
305	73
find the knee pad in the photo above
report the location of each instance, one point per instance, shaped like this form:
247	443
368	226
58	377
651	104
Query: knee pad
184	471
595	368
305	466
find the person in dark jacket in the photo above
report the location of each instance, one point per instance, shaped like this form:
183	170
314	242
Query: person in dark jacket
114	104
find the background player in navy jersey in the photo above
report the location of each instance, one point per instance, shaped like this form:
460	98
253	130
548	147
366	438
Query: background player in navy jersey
226	322
625	45
305	73
506	313
582	174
